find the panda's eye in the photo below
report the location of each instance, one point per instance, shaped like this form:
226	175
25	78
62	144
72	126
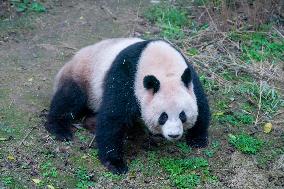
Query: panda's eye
182	117
163	118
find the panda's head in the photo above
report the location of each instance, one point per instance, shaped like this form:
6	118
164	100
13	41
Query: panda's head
165	91
171	109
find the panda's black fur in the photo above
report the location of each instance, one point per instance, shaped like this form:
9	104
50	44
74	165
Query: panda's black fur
119	108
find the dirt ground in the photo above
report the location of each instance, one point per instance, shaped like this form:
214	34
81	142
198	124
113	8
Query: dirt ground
32	49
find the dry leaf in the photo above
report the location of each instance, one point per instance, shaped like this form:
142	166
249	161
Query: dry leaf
37	181
10	157
50	187
219	113
267	128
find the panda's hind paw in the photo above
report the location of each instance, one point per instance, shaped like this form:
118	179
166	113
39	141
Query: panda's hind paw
116	167
198	142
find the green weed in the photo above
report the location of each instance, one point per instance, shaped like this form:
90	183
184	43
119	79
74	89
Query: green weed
183	172
112	176
28	5
259	46
83	179
170	19
192	51
48	170
209	84
184	147
271	100
245	143
8	181
81	136
208	153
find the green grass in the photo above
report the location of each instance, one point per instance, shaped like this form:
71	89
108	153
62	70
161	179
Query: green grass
184	173
245	143
27	5
260	46
170	19
235	118
83	179
48	170
271	100
184	147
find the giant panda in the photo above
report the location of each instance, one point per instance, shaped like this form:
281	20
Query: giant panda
124	80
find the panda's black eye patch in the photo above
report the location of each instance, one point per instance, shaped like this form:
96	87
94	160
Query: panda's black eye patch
163	118
182	117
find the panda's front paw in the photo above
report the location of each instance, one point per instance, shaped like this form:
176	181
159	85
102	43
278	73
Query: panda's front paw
116	166
199	142
61	133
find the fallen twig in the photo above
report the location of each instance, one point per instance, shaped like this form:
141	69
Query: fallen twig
107	10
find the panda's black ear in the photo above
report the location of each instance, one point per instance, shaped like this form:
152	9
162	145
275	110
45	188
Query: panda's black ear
186	77
151	82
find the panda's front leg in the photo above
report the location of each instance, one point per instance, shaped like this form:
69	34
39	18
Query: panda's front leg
110	135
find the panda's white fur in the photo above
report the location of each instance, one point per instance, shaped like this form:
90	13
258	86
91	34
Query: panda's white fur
90	65
167	65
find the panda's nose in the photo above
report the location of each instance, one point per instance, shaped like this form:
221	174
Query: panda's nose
174	136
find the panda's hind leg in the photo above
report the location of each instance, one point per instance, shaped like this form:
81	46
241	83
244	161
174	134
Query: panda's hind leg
69	101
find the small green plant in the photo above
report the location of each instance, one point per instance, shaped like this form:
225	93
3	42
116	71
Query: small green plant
183	172
208	153
227	119
186	181
209	84
81	137
112	176
184	147
245	118
259	46
48	170
271	101
83	179
27	5
192	51
8	181
245	143
169	18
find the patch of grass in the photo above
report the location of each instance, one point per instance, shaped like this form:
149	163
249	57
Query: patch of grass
192	51
227	119
184	147
27	5
245	143
214	146
164	13
83	179
209	84
48	170
271	100
260	46
169	18
112	176
269	154
81	136
8	181
16	26
209	153
184	173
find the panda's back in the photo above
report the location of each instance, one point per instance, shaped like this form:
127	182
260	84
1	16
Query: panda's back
90	65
